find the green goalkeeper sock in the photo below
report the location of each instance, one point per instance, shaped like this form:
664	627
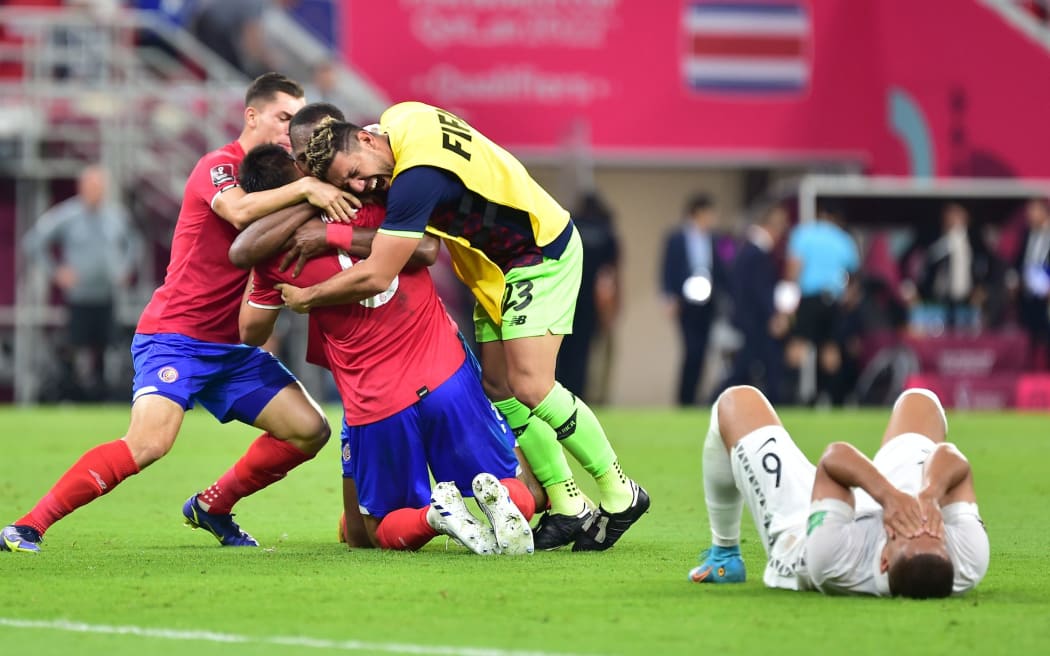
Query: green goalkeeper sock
580	433
545	456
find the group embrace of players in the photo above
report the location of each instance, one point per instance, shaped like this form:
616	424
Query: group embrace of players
302	182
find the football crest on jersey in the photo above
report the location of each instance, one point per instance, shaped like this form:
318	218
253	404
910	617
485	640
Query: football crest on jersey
222	175
168	374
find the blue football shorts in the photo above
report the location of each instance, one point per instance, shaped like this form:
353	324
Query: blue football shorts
454	430
231	381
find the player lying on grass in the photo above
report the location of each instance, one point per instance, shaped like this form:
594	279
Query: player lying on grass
411	396
905	524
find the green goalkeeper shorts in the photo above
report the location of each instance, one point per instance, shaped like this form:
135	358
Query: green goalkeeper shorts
537	299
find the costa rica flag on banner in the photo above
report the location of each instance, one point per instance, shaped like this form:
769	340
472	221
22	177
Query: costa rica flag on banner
747	47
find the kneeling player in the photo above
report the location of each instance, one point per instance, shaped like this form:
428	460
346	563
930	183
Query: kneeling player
911	529
411	398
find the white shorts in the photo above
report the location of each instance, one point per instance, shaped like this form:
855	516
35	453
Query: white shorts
901	460
776	479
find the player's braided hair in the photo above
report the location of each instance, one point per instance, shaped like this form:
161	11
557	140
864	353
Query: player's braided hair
329	137
302	125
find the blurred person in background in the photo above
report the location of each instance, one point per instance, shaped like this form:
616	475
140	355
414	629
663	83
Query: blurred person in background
821	258
754	275
597	304
950	274
233	29
1033	270
691	274
91	250
324	84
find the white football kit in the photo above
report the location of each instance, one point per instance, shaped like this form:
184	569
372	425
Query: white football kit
844	547
841	553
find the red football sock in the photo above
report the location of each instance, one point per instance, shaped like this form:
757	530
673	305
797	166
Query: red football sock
267	461
520	496
98	471
405	529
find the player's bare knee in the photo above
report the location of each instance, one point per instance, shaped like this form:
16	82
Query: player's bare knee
917	410
309	433
315	439
147	450
919	396
742	409
530	391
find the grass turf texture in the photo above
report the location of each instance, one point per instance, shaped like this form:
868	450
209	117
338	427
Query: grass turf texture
126	560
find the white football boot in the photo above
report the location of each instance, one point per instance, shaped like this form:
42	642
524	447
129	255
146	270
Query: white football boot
448	516
513	535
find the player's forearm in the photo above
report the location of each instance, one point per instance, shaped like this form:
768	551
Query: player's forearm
265	238
361	243
256	324
945	469
424	255
850	468
251	207
354	284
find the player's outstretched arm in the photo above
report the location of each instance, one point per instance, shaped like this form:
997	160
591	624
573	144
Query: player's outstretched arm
266	237
842	467
369	277
425	254
315	237
241	209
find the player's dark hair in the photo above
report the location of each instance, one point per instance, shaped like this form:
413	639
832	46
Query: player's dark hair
329	137
267	166
922	576
268	85
312	113
302	125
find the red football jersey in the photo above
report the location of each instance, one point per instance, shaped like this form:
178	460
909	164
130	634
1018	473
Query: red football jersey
202	291
385	352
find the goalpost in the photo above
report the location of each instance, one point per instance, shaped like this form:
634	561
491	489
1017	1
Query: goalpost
811	187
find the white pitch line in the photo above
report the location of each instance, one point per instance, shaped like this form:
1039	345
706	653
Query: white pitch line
284	641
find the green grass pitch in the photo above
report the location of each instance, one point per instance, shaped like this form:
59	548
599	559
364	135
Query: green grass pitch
122	576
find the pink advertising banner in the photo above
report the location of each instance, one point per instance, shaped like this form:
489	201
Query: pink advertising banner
759	80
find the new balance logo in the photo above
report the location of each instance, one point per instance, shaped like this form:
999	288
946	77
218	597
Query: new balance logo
519	320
